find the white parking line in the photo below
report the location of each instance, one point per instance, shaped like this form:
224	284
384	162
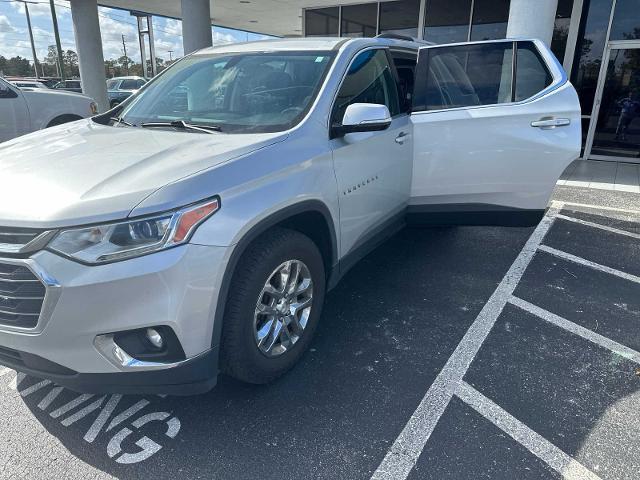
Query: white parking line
598	225
589	263
562	463
585	333
404	453
556	204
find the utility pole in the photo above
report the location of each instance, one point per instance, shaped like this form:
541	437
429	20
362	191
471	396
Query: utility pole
33	45
57	35
126	59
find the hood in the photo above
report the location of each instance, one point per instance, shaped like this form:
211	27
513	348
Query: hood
84	172
54	92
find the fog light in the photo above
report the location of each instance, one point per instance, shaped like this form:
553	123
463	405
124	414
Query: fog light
155	338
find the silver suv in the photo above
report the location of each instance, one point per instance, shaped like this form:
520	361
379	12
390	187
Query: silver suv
196	227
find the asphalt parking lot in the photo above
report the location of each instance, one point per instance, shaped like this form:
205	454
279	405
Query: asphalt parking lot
446	353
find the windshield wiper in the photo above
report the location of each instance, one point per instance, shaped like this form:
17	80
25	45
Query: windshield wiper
182	125
120	120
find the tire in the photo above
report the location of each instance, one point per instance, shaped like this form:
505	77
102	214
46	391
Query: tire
241	356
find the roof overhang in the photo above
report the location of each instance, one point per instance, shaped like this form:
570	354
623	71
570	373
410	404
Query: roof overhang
271	17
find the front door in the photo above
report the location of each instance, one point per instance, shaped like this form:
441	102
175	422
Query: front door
495	125
616	133
373	169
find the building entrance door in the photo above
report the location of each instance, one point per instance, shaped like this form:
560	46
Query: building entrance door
615	135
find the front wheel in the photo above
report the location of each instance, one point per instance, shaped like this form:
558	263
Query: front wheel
274	305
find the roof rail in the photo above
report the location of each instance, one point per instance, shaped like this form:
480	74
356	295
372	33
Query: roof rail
396	36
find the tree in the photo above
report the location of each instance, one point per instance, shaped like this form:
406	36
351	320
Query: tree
70	59
16	66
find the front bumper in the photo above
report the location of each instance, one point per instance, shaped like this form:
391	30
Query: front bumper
177	288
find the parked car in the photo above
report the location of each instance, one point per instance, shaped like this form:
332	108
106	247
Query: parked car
198	228
29	84
50	82
24	110
121	88
69	86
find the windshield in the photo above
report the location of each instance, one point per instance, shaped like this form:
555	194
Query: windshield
238	92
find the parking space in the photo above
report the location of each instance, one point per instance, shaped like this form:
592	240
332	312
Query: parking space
446	353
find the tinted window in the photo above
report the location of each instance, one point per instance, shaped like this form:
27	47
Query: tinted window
589	49
359	20
447	21
532	75
489	19
369	80
321	22
112	84
475	75
400	17
561	28
130	85
626	21
468	75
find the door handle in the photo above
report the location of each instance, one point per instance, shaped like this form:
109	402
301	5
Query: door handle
548	123
402	136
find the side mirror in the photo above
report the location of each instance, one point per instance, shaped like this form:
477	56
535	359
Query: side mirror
363	117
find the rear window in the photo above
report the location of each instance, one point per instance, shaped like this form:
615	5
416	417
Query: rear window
479	74
130	84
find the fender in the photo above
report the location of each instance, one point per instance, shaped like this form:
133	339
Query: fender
307	206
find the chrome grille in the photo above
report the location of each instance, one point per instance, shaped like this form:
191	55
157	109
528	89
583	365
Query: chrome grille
21	296
22	240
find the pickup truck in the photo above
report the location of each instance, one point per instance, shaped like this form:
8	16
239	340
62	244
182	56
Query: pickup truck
26	109
196	228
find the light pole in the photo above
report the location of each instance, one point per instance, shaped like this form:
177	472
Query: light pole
54	18
33	46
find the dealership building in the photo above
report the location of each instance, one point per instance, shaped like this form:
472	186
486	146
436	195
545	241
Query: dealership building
597	41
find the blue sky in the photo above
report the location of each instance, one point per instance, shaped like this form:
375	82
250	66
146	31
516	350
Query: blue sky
14	37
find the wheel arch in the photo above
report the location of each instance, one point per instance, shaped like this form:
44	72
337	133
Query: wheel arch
310	217
62	119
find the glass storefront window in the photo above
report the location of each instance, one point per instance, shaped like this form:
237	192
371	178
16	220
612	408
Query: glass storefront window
489	19
588	57
360	20
561	28
321	22
617	133
400	17
626	20
447	21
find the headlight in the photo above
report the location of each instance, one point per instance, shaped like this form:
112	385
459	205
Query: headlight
119	241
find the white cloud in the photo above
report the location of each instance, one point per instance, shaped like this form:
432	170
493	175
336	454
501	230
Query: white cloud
112	30
5	25
43	8
222	38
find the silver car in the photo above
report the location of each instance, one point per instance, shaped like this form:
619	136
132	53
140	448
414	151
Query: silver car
197	227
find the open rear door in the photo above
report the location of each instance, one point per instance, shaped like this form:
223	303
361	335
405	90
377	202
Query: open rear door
495	125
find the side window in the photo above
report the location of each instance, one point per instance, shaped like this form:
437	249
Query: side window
129	85
405	64
479	74
468	75
369	80
532	74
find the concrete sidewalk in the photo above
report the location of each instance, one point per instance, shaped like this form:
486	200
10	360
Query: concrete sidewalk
617	176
